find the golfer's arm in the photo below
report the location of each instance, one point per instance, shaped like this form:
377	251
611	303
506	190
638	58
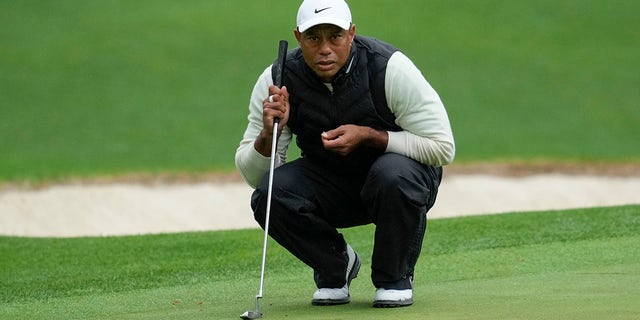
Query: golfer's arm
376	139
249	161
262	143
426	135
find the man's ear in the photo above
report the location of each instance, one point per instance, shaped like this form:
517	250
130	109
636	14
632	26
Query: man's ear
297	34
352	30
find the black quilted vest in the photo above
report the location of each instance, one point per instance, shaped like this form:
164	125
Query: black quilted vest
358	98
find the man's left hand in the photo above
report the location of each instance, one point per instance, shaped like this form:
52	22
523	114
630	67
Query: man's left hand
347	138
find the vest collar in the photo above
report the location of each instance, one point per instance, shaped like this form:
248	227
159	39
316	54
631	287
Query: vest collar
348	67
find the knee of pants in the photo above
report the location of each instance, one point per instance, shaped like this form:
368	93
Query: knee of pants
284	196
393	176
258	206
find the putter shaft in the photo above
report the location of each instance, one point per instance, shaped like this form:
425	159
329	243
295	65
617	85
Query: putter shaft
274	145
279	65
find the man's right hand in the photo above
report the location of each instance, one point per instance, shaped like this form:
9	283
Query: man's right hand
276	105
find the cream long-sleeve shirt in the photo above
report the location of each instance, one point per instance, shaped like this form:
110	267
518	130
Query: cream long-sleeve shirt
426	136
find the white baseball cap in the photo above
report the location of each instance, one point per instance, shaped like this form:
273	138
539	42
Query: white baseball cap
314	12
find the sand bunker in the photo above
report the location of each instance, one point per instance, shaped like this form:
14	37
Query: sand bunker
99	209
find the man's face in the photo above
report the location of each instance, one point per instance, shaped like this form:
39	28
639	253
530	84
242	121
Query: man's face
326	48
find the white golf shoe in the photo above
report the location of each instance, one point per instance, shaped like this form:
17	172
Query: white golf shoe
335	296
393	298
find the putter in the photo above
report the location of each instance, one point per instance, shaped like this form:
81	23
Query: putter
279	65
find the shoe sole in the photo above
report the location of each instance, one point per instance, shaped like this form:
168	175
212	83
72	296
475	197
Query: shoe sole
330	302
392	303
334	302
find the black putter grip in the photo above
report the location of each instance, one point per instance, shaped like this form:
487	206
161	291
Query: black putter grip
279	67
279	64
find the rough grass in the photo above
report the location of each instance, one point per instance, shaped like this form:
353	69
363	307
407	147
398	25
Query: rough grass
109	87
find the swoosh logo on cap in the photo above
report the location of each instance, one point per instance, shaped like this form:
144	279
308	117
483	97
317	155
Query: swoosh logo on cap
318	11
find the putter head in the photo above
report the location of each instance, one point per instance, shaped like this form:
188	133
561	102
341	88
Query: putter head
251	315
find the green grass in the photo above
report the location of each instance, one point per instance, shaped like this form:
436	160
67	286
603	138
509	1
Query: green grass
113	87
576	264
109	87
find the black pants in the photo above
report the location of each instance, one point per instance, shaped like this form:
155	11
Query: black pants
309	203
